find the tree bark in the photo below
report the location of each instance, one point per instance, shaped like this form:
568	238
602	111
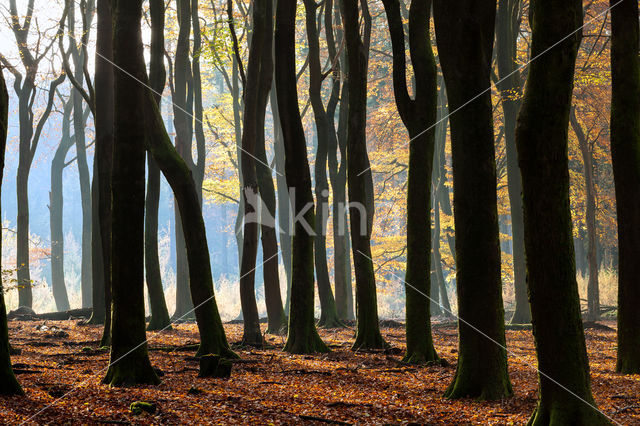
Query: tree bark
510	87
8	383
359	178
160	319
625	155
303	336
418	115
465	32
129	364
551	274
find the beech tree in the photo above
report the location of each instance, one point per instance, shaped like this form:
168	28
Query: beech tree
8	383
303	336
129	363
465	34
625	151
418	115
565	392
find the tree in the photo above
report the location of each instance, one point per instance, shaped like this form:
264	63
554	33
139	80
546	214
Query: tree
104	94
160	319
464	33
326	135
565	393
303	336
30	131
359	177
625	156
129	364
8	383
418	115
507	30
252	334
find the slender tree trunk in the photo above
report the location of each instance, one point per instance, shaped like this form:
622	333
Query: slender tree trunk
56	201
593	293
418	115
104	88
507	31
325	132
160	319
129	364
565	393
360	180
98	312
8	383
273	297
303	336
464	32
625	150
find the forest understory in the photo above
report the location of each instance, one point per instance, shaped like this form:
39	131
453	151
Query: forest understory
61	367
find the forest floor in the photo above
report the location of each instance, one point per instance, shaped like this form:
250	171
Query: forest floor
60	369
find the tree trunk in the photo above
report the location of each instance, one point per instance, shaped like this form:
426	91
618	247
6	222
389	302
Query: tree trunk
593	293
104	89
273	297
360	180
129	364
507	31
464	33
8	383
325	132
419	115
56	201
625	151
303	336
565	393
98	312
160	319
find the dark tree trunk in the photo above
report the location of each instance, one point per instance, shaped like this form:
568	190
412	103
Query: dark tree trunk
160	319
464	32
8	383
303	336
252	334
98	312
184	132
593	291
273	297
510	87
129	364
326	137
551	274
359	179
418	115
56	201
625	149
104	88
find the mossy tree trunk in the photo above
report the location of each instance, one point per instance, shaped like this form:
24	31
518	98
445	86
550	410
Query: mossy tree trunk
104	89
565	393
510	87
8	383
326	137
360	182
160	319
303	336
625	155
418	114
465	32
129	364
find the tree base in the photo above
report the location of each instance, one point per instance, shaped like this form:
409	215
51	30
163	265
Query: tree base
8	383
133	369
330	321
253	338
370	339
628	366
280	330
574	413
157	324
420	358
521	316
214	366
313	344
479	388
223	351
